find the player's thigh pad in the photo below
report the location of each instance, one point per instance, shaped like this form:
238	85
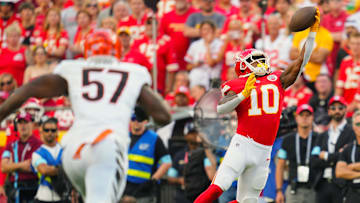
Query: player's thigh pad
75	169
233	164
106	175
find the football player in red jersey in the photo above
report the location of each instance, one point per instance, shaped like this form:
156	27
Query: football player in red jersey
257	97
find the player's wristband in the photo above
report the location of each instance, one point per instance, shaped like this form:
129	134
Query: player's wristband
278	190
241	96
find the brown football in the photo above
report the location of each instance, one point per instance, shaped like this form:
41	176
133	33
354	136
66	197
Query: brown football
302	19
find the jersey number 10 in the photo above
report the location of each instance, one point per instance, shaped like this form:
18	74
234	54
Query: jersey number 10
255	110
100	87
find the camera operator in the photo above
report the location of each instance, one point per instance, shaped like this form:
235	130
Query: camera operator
296	149
194	167
46	160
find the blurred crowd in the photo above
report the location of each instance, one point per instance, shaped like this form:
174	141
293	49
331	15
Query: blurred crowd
191	46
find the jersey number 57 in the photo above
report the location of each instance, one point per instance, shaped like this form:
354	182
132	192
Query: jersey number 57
100	87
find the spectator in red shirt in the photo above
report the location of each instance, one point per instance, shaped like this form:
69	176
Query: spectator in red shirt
297	94
349	74
41	11
233	45
27	15
226	8
13	58
132	55
7	83
182	97
334	22
249	18
164	7
16	161
136	21
7	17
84	28
52	36
165	56
172	24
181	79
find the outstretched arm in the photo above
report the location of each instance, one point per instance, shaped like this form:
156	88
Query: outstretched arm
295	69
50	85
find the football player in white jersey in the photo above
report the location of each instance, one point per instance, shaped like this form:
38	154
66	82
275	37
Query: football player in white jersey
103	93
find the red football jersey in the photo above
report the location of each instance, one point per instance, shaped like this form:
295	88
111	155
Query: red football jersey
231	51
13	62
232	11
165	57
349	78
80	39
134	56
172	24
302	96
136	26
4	24
259	115
50	41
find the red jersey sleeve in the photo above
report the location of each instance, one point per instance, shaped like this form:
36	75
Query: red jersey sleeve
236	86
171	61
64	38
357	95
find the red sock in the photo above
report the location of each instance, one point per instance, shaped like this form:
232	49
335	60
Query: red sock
234	201
210	194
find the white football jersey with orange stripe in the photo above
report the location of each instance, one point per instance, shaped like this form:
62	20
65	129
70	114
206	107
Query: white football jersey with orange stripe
103	93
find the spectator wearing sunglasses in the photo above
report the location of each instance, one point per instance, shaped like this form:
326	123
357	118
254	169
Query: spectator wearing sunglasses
348	166
327	151
46	160
149	160
7	83
93	8
16	162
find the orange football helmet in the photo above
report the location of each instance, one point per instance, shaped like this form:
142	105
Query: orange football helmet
102	42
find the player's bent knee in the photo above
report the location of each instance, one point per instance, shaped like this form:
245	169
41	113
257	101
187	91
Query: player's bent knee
224	179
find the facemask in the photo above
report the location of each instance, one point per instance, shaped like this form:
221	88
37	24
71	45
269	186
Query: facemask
261	69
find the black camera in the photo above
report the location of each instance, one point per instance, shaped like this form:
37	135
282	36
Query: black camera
287	121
